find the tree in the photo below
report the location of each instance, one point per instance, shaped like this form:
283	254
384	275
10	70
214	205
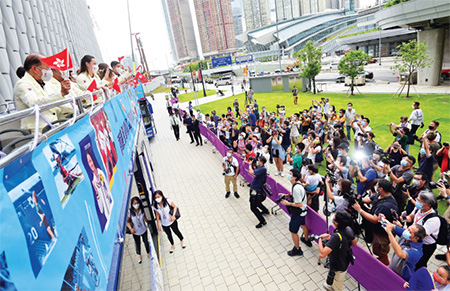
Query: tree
352	63
310	64
412	55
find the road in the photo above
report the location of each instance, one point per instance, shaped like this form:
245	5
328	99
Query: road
379	75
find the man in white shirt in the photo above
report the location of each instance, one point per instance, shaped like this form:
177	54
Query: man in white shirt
361	127
33	88
416	118
175	126
349	115
230	171
326	106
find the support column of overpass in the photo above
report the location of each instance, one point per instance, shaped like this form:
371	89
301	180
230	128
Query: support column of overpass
435	39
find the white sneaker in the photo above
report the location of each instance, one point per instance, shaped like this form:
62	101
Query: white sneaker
282	174
277	173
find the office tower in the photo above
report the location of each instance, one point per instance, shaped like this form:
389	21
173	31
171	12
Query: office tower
256	14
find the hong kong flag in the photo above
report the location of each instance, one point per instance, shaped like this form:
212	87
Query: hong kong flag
120	59
93	86
140	66
141	77
61	61
134	82
116	85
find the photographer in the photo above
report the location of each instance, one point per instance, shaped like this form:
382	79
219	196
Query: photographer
338	166
337	194
366	175
298	210
425	215
377	164
400	175
408	250
230	171
419	184
401	135
338	249
257	194
383	204
361	128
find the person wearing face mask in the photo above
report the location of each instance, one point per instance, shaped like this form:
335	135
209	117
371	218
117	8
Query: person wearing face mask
361	128
366	175
296	158
383	205
377	164
230	171
401	135
278	152
396	153
425	215
137	224
196	130
264	152
407	250
432	128
400	175
33	89
441	278
350	114
87	74
165	210
120	72
306	121
419	184
426	161
295	129
338	249
257	194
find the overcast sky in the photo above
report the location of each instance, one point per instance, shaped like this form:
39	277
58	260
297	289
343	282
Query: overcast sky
147	17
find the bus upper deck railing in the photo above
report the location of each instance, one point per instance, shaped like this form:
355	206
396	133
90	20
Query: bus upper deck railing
18	115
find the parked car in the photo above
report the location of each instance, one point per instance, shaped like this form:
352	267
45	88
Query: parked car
369	75
253	73
393	54
227	80
373	60
334	66
277	71
340	79
445	73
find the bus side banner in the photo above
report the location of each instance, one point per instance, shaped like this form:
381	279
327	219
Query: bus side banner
61	203
365	264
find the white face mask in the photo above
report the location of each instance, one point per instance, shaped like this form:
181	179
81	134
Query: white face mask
47	75
120	71
158	200
95	69
135	206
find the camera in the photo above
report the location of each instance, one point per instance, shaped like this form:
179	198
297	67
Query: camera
333	177
278	106
281	198
433	185
226	171
386	159
363	135
408	188
316	237
446	144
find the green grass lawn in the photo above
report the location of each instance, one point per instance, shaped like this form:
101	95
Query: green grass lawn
162	89
184	97
381	109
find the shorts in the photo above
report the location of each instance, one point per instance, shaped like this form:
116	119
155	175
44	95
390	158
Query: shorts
296	222
275	153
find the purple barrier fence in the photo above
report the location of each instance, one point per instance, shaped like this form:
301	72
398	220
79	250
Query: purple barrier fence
367	270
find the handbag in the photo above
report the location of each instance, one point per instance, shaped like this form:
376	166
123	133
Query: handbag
177	214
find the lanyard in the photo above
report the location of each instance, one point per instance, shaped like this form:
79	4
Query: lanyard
425	214
174	121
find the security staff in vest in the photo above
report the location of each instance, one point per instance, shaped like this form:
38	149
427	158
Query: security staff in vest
297	209
257	194
32	89
425	215
174	125
338	249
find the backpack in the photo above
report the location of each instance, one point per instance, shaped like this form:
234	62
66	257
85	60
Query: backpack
442	238
319	157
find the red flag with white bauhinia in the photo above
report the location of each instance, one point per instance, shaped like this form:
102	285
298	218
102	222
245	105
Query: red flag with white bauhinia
116	85
140	66
120	59
61	61
141	77
134	82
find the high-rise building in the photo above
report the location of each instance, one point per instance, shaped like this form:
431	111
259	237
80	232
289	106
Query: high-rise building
169	31
257	14
287	9
238	19
182	29
47	27
215	25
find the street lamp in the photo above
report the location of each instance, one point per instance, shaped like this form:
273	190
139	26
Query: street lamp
131	37
379	42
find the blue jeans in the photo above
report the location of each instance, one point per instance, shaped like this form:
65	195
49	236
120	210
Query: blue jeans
348	132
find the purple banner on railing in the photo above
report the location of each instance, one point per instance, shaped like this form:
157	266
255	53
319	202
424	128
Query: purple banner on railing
365	264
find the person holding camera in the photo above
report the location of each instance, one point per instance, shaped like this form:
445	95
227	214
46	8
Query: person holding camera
400	135
230	171
337	194
338	249
361	128
425	215
377	163
419	184
298	210
278	152
383	204
400	175
426	161
407	250
366	175
396	153
257	195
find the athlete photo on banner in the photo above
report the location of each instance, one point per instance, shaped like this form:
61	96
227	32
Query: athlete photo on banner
99	182
82	273
61	155
105	142
6	282
27	193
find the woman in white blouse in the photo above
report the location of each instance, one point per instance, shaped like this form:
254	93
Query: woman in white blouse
162	207
137	224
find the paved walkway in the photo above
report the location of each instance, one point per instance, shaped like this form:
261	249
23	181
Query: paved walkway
225	251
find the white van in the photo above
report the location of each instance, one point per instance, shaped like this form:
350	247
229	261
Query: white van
226	80
334	66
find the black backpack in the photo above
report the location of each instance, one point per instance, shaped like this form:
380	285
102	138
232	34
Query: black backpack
442	238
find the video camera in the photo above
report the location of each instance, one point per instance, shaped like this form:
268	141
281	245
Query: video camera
386	159
333	177
226	171
433	185
316	237
408	188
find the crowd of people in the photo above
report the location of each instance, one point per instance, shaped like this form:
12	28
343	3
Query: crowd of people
378	192
39	84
